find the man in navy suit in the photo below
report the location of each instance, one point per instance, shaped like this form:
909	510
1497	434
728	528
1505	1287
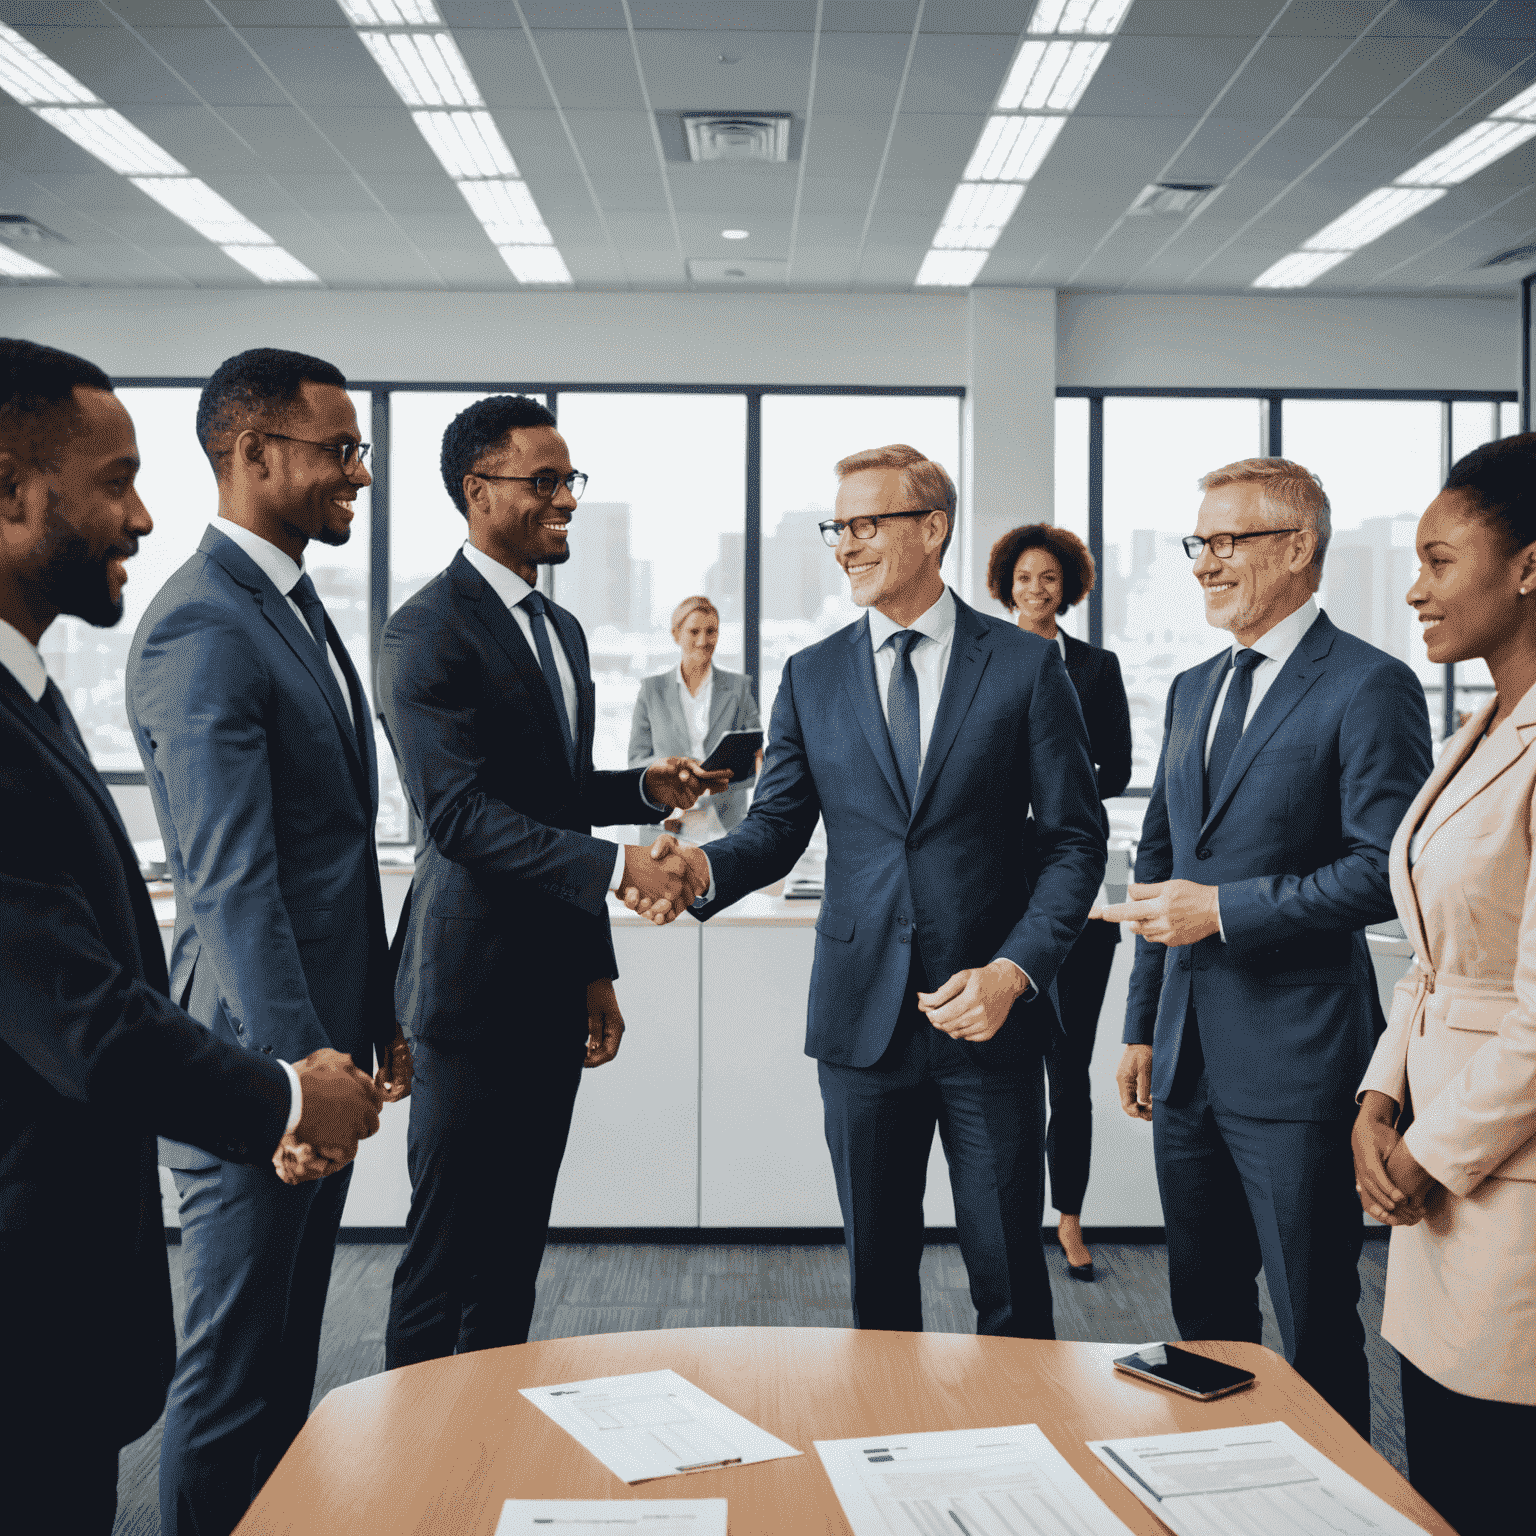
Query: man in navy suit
1288	761
258	749
925	735
506	976
94	1057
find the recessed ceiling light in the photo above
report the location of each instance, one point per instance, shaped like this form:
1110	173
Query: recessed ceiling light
426	69
14	264
271	263
536	265
468	143
734	234
197	204
1371	218
1299	268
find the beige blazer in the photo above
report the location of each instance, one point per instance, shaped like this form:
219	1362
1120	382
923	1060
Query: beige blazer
1460	1051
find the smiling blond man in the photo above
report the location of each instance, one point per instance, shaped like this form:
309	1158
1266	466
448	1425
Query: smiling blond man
1288	760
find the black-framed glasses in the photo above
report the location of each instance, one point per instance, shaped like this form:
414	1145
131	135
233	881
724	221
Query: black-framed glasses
543	485
347	454
864	527
1222	544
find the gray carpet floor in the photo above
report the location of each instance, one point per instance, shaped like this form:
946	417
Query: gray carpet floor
599	1288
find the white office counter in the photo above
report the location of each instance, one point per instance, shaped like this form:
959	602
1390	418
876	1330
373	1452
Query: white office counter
710	1115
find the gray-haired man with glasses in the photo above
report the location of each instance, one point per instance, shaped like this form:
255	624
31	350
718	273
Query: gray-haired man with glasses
1288	761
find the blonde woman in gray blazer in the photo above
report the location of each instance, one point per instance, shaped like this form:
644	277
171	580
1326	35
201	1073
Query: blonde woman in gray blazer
685	712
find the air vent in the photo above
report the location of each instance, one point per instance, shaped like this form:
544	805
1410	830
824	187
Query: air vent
19	229
1518	253
1171	199
737	136
746	273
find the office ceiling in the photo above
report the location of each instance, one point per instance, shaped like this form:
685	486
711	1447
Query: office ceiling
1295	108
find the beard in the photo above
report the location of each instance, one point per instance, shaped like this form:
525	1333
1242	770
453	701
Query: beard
335	537
74	579
559	559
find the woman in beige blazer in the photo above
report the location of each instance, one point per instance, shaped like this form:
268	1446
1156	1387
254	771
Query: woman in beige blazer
1445	1143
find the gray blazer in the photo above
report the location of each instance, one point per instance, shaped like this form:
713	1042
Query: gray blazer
659	729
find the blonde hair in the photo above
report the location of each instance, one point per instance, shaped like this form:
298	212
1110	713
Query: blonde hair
1288	492
922	480
691	605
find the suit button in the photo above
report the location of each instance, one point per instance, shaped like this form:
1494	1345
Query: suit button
1202	853
905	938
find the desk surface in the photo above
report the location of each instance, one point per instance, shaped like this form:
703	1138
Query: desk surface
435	1448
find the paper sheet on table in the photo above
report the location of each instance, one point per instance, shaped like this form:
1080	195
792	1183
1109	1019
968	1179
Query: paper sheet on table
612	1517
963	1482
654	1424
1260	1478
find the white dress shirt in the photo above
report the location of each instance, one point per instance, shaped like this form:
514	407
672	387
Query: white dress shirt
284	572
1275	646
25	663
930	661
512	589
702	824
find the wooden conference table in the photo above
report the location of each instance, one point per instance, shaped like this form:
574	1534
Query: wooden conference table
433	1449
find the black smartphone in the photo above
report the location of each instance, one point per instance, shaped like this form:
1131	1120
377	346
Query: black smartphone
1193	1375
738	752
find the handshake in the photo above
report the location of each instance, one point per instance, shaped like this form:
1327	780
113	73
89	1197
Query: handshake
663	880
340	1108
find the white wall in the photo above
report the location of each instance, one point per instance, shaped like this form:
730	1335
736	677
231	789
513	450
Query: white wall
1288	341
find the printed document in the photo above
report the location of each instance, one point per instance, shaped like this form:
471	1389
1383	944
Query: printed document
654	1424
612	1517
963	1482
1259	1478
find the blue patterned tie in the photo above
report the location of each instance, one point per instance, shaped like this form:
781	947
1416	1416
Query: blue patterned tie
536	607
304	594
901	710
1229	729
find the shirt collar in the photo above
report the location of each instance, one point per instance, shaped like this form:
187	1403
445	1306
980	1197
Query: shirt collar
282	571
1277	642
505	583
937	623
23	661
705	687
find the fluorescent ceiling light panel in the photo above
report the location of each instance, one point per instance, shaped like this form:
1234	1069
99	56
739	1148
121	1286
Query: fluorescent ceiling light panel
536	265
271	263
113	140
976	215
1371	218
195	203
1521	106
1299	268
426	69
32	77
392	13
1050	76
1099	18
508	212
1011	148
14	264
1467	154
950	269
469	144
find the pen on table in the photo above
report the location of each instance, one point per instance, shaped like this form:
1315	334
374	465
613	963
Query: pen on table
700	1466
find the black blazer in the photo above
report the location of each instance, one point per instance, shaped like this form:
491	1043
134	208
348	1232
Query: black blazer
94	1060
509	904
1095	674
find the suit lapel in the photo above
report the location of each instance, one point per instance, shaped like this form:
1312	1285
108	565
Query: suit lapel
722	706
863	696
585	725
968	657
1188	771
364	720
1475	770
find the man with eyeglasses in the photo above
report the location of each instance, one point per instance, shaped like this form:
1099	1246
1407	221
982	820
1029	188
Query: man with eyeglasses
254	728
1288	761
507	969
947	754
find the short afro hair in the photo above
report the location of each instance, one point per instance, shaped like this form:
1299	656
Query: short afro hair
1500	480
37	392
1077	569
252	388
480	427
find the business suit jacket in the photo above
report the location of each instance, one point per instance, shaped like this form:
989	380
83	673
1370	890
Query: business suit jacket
511	887
1459	1053
94	1059
659	729
1296	838
266	797
965	873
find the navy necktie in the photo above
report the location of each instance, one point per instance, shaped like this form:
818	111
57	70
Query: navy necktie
53	701
536	605
304	594
1229	729
901	709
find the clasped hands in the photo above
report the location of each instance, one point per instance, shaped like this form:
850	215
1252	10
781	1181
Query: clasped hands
1171	912
1393	1185
340	1108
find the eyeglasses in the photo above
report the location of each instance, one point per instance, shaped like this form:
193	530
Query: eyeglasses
347	454
543	485
864	527
1222	544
